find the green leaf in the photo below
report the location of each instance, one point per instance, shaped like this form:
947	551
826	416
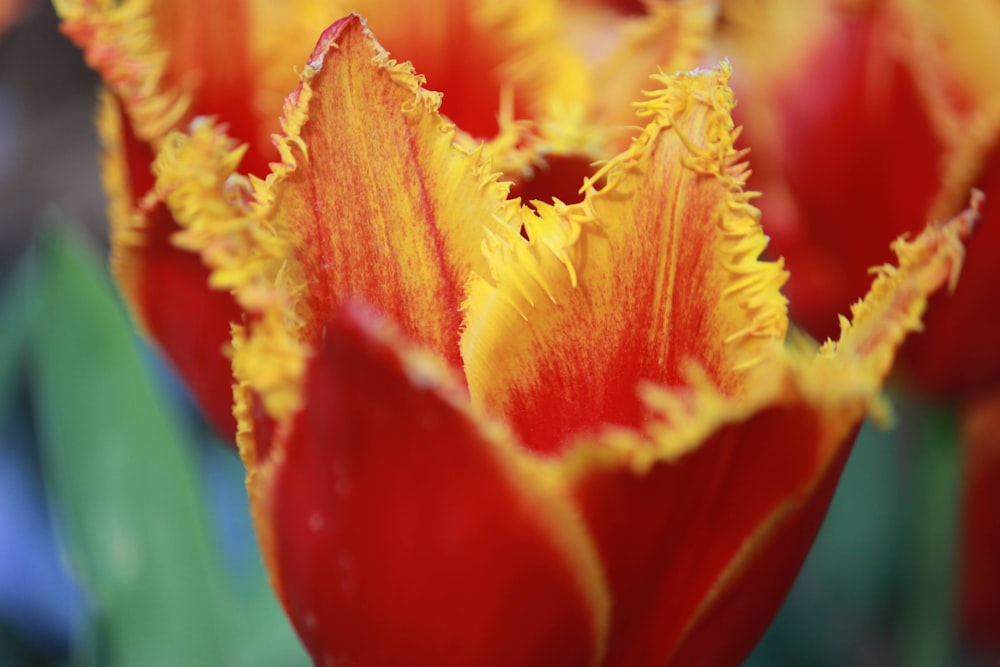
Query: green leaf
123	482
261	634
266	637
929	603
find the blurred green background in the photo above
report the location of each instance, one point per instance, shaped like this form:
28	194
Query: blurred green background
124	530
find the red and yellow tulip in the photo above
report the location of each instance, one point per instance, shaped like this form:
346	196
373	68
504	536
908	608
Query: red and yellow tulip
892	101
866	118
522	85
478	432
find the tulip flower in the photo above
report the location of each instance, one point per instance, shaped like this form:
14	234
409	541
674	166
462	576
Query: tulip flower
523	84
905	116
561	435
478	432
895	102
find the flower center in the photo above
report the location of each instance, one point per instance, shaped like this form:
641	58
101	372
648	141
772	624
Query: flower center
560	177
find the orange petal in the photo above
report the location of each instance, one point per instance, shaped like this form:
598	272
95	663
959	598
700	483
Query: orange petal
703	517
655	272
406	533
390	213
979	577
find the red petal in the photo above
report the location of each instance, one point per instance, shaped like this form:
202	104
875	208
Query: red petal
844	125
667	536
403	534
209	57
766	569
166	287
959	352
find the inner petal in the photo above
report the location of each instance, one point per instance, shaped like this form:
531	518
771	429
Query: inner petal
374	202
656	272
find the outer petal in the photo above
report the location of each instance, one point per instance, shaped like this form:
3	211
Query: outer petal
406	533
166	287
755	488
163	68
656	271
979	576
703	520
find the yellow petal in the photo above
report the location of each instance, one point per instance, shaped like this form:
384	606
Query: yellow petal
655	272
389	213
